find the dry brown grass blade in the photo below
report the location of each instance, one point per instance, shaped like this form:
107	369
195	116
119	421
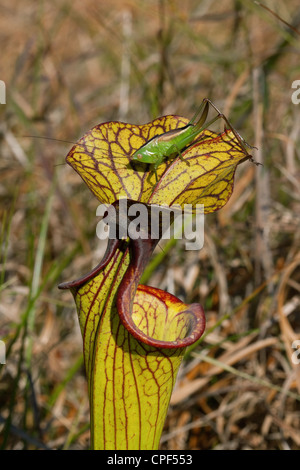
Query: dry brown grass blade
262	248
287	331
224	298
243	190
278	17
186	389
287	430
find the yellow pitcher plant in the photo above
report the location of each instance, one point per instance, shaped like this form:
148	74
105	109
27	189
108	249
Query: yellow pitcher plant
134	336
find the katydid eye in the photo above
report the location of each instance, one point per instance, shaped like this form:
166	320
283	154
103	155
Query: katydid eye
140	156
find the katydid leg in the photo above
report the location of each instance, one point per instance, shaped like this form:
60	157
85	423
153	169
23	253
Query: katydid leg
240	139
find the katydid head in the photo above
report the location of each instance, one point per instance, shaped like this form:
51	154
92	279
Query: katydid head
140	155
137	156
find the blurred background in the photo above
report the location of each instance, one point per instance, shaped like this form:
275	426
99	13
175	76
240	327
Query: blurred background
69	65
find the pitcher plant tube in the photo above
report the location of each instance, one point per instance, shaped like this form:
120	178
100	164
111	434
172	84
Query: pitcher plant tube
134	336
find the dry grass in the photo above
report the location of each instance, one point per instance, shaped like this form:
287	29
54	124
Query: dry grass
71	65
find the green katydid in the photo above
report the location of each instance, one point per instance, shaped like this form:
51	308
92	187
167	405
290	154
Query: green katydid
163	146
169	144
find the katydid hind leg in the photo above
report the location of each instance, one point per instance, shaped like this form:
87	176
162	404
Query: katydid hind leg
203	117
242	141
220	115
197	113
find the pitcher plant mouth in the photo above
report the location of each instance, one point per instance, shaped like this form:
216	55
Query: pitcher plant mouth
164	333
